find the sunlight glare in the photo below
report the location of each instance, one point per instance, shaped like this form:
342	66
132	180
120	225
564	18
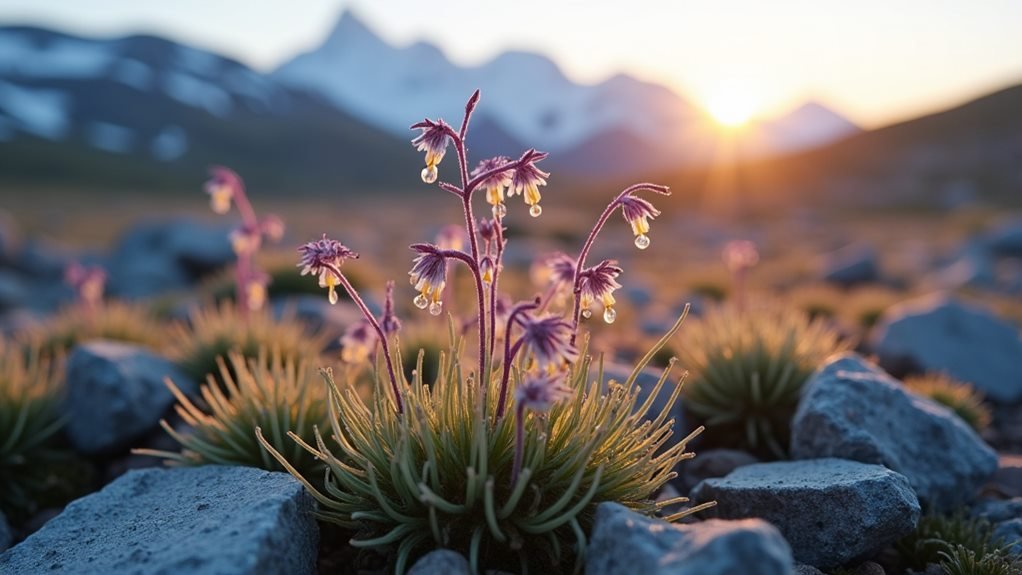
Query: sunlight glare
731	110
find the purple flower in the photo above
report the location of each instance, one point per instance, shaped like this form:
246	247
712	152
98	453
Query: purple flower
527	179
255	290
548	339
358	341
451	237
272	227
599	283
637	213
221	188
557	268
429	276
433	140
488	229
88	282
319	256
539	392
486	269
246	240
494	184
740	255
390	324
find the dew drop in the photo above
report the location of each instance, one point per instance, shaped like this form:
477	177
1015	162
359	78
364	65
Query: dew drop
587	313
642	241
429	174
609	315
420	301
332	297
435	308
499	211
535	211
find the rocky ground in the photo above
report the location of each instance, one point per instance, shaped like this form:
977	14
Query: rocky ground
868	458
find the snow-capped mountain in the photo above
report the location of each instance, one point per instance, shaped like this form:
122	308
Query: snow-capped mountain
526	94
810	125
530	99
141	109
151	111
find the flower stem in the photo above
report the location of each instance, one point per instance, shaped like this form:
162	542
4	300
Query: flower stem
481	300
399	403
510	352
602	221
516	467
496	279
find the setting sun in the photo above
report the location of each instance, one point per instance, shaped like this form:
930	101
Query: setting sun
731	110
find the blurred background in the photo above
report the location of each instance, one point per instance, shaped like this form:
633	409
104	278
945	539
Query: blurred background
890	132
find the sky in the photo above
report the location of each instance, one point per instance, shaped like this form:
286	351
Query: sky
876	61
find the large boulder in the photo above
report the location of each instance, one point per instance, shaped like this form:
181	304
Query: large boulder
853	410
159	256
441	562
116	394
943	334
831	511
624	542
212	519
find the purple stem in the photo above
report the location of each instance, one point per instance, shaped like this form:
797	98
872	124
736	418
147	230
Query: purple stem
493	284
470	262
510	352
516	467
249	220
580	262
379	331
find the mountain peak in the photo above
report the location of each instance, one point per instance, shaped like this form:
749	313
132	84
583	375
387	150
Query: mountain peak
350	28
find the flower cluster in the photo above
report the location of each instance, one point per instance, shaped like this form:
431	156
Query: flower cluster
531	392
226	188
547	338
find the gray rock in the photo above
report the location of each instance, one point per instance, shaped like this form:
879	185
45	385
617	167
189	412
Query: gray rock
624	542
211	519
854	410
116	394
1007	481
14	290
159	256
803	569
851	265
6	537
441	562
1006	517
944	334
143	277
831	511
714	463
1006	240
972	267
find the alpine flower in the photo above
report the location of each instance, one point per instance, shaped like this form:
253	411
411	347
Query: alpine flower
429	276
433	140
599	283
637	213
320	258
527	179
